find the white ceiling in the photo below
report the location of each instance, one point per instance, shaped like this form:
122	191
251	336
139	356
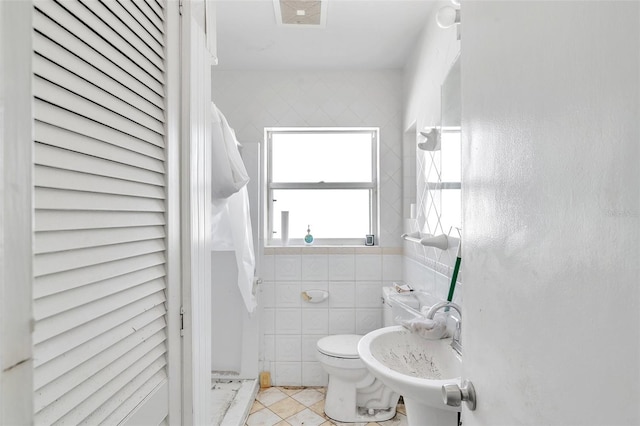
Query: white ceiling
359	34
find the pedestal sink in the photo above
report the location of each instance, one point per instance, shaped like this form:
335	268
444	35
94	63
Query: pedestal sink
417	369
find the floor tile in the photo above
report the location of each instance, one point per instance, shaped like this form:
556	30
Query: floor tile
306	418
308	397
286	407
318	407
256	407
270	395
291	390
264	417
283	423
401	409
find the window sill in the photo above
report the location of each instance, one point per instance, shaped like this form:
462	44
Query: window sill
330	249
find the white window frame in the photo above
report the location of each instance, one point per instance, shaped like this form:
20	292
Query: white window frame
373	186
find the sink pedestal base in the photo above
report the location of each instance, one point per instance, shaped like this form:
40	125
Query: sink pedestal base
423	415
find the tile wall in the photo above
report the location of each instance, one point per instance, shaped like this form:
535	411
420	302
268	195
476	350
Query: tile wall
425	267
353	277
253	100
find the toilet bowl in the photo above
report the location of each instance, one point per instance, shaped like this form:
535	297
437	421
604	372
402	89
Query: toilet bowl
353	394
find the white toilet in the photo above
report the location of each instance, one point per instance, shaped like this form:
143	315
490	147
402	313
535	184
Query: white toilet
353	394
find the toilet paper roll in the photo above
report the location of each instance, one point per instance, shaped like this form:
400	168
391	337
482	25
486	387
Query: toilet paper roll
284	227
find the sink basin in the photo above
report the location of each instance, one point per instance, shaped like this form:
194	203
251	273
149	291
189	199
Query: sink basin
417	369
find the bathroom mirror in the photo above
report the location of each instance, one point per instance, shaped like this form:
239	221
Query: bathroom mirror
450	185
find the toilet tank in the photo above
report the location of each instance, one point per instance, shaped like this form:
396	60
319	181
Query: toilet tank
387	305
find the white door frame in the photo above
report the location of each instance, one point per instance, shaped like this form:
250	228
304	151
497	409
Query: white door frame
16	216
173	238
195	179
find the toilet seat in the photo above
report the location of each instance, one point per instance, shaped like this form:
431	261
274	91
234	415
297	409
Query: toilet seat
340	346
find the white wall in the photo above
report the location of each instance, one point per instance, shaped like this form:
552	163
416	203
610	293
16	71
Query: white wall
427	268
253	100
551	107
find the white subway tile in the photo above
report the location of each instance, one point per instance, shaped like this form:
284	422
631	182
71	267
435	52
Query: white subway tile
269	321
342	267
267	294
310	346
368	267
342	321
368	294
288	348
269	347
342	294
287	295
287	267
391	268
315	321
287	374
368	320
315	267
313	374
268	268
288	321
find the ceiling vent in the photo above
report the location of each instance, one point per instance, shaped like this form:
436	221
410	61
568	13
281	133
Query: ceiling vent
302	13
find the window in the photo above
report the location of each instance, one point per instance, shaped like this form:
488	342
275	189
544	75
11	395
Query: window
326	178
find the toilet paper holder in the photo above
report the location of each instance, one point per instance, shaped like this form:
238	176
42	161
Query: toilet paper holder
314	296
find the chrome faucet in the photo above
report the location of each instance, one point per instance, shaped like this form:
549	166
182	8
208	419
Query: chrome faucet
456	341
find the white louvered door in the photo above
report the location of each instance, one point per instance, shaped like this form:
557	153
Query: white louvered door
100	337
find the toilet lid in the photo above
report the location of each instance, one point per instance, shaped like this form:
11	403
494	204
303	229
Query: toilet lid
340	346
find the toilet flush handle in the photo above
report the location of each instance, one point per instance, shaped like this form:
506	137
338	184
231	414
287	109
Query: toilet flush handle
453	395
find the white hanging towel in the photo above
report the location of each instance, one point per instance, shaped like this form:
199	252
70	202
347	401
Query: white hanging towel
231	230
228	173
231	221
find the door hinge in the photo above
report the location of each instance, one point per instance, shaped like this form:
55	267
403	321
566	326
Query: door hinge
181	321
180	7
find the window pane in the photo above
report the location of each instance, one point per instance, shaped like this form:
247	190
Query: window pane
451	159
451	209
332	213
316	157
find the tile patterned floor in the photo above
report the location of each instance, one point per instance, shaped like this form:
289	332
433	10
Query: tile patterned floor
294	406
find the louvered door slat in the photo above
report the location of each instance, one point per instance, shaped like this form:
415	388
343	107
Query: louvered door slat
149	336
52	348
55	304
47	177
82	136
77	404
49	29
65	99
156	8
55	53
108	35
84	314
151	16
51	263
99	95
137	14
130	391
54	199
48	242
69	160
77	278
124	32
54	220
100	198
152	320
97	43
143	384
139	31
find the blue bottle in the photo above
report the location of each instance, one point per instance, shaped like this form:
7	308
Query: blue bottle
308	239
